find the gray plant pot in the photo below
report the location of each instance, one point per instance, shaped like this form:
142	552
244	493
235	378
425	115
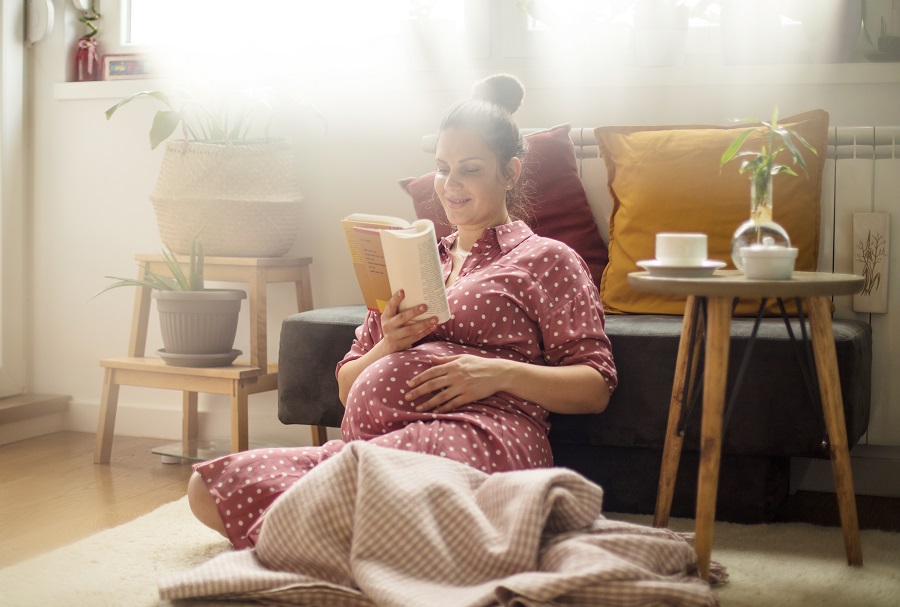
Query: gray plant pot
199	322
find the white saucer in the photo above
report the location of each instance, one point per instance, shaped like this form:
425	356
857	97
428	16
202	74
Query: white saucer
658	269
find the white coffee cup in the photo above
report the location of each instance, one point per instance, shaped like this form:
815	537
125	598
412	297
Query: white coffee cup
680	249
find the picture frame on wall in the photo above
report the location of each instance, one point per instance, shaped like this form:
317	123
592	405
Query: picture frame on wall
871	254
127	67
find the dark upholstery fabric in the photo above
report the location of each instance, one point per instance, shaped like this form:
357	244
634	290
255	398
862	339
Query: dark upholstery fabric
312	343
752	488
773	414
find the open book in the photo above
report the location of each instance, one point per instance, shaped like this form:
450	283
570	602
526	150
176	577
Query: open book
390	254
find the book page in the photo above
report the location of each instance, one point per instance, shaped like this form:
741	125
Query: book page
414	265
362	232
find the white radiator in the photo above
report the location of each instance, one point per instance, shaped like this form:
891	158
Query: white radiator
862	175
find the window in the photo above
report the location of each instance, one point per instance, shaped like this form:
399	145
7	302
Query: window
672	32
284	37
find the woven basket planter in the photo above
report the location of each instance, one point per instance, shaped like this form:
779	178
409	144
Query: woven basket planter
245	198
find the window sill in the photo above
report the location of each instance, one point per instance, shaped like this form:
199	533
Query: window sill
107	89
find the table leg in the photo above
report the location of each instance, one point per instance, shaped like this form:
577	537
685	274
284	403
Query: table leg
674	438
239	432
714	384
189	423
319	435
833	409
109	402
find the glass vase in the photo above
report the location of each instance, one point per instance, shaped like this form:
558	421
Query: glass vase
87	60
760	224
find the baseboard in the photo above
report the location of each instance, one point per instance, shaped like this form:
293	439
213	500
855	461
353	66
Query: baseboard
875	472
164	421
26	406
31	415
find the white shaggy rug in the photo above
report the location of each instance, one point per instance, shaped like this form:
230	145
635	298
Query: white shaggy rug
769	565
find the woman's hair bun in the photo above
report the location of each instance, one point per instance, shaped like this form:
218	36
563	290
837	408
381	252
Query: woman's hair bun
504	90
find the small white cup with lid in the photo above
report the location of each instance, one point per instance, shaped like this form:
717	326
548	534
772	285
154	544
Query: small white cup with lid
768	261
680	249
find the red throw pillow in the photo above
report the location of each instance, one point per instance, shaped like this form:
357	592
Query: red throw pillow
559	204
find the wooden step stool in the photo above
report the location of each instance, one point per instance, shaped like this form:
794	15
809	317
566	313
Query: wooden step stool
238	380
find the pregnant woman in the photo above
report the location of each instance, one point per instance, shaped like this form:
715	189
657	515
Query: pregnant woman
526	338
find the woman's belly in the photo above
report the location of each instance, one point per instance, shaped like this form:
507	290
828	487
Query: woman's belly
502	424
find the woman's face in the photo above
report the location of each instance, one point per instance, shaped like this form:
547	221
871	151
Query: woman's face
470	182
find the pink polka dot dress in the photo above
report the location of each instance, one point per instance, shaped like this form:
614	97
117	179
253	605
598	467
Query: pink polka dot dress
518	296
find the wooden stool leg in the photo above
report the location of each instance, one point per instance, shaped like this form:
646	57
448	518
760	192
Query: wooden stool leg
304	291
258	320
189	423
109	402
714	384
319	435
674	440
833	409
239	432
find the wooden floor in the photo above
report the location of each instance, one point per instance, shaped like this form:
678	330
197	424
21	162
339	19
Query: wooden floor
52	493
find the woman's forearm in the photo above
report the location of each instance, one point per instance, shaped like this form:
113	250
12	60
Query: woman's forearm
560	389
353	369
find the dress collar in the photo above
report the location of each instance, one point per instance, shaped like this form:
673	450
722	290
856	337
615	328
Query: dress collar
507	237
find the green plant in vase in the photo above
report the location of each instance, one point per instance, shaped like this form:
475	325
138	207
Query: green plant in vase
761	166
178	281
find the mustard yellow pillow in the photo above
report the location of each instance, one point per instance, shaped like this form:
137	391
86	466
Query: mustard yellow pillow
667	179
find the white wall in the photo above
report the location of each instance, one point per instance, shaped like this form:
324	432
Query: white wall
90	212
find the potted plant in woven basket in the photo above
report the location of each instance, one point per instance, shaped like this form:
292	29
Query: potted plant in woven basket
198	325
225	175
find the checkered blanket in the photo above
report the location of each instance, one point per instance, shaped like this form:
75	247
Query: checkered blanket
378	526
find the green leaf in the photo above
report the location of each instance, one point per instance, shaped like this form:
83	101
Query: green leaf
782	168
164	124
175	268
158	95
735	146
152	281
196	263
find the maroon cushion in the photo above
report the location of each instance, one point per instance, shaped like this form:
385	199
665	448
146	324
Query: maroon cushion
559	204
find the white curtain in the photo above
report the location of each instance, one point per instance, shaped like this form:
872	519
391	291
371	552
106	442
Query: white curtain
12	203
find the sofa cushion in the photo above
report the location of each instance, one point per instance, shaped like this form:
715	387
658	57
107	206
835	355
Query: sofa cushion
560	207
774	413
668	179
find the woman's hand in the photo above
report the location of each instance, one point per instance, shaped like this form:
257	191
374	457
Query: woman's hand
456	381
399	329
399	332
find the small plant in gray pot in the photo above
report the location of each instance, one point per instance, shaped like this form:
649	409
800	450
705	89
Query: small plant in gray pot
198	325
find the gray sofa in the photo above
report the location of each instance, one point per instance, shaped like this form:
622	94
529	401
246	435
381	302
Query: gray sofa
774	417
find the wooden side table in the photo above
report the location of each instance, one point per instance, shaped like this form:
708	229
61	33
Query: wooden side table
717	293
238	380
